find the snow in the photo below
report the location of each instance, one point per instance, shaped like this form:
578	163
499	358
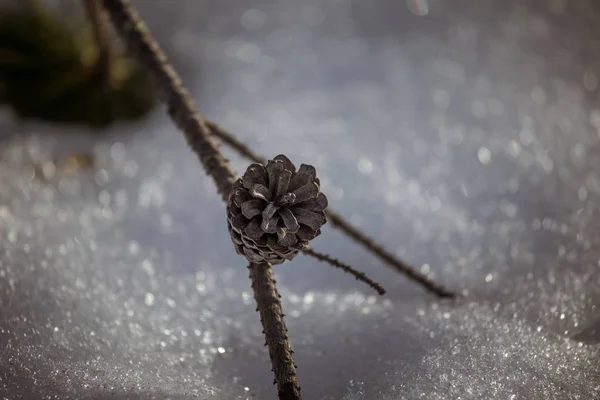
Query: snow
463	140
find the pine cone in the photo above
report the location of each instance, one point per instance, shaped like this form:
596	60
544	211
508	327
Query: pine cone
274	211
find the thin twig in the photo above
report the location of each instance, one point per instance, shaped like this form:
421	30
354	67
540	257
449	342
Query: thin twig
183	112
360	276
104	43
236	144
271	316
399	265
180	105
340	223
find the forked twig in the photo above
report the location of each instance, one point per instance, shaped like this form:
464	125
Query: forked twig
346	227
183	111
360	276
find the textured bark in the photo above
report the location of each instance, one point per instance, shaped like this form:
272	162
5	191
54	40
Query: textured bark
271	316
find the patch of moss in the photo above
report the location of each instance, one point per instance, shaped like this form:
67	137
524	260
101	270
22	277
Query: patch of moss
51	69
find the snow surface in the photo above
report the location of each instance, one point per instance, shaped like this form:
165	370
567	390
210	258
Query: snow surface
465	140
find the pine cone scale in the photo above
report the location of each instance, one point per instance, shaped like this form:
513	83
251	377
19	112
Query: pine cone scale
255	174
305	174
306	192
239	221
289	220
283	183
274	168
269	225
252	208
317	204
240	196
287	163
306	234
270	210
253	230
286	240
260	191
309	218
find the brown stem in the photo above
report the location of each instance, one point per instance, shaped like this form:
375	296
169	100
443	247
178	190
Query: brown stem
180	105
271	316
360	276
183	111
106	53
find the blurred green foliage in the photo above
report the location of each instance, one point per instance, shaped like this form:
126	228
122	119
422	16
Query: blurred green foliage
50	70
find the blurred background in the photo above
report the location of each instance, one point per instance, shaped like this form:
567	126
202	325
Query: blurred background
461	135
